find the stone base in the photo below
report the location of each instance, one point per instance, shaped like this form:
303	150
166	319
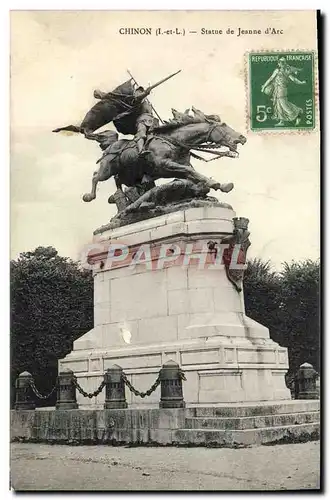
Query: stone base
232	426
166	308
217	369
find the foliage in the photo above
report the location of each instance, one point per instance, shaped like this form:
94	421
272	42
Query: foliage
51	306
287	302
300	311
261	293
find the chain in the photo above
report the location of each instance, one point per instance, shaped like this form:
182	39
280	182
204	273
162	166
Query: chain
88	394
37	393
138	393
101	386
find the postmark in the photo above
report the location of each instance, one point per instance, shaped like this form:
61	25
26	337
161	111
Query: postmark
281	91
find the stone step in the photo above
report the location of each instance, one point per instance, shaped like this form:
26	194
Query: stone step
247	437
252	422
253	410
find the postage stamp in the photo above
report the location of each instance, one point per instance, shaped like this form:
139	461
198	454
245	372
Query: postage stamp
281	90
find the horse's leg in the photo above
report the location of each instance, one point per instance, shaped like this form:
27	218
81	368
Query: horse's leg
102	174
92	195
169	168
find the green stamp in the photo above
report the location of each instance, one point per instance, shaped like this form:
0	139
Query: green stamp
281	91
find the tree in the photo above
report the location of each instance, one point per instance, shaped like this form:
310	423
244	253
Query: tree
51	306
300	311
287	302
262	291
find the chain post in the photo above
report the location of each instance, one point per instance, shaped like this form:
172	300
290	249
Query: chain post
114	388
66	391
306	382
24	393
171	377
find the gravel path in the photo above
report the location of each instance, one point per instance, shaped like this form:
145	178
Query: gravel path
106	468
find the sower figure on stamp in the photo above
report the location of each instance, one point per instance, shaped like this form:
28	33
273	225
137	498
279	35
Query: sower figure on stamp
277	88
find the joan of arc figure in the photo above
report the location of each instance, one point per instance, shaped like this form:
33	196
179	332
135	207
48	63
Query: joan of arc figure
277	88
126	106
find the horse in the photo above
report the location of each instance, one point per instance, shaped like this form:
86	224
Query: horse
167	155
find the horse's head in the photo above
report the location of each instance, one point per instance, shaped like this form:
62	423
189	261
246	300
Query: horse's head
222	134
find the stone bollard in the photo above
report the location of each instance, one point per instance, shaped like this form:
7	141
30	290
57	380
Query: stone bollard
24	393
114	388
66	391
171	386
306	382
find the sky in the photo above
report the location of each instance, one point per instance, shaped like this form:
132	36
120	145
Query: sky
59	57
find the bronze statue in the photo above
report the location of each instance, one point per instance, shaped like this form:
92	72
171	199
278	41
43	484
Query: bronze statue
167	155
157	150
240	238
124	105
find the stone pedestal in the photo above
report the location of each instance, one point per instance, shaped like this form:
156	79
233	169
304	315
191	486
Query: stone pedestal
176	308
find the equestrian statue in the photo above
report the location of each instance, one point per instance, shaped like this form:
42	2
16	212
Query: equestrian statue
159	149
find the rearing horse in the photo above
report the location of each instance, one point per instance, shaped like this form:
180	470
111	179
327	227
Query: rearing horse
167	156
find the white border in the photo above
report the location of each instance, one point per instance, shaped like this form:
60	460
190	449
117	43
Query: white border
4	136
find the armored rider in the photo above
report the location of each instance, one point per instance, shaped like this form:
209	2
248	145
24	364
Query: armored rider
138	116
129	110
145	121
